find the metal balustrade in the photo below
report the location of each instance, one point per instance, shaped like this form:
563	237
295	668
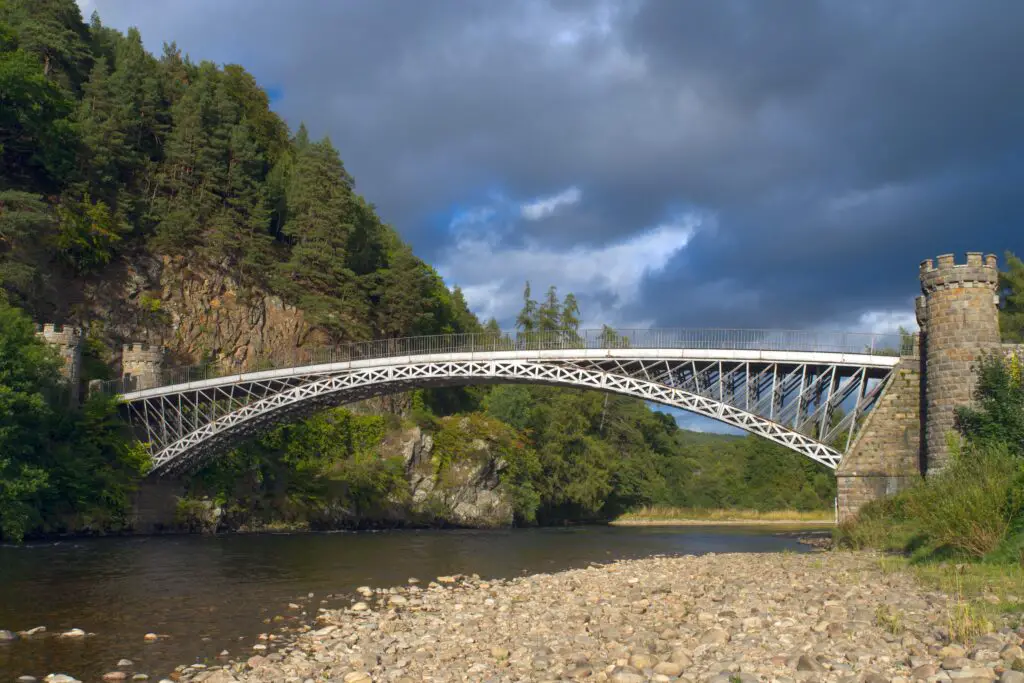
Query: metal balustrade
489	342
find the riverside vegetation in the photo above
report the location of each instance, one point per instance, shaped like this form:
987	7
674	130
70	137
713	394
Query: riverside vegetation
962	530
157	199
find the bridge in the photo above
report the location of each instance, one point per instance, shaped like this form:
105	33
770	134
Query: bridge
808	391
879	410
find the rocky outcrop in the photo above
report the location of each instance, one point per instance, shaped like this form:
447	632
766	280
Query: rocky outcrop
465	493
197	312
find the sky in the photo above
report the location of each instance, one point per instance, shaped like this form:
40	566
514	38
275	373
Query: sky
672	163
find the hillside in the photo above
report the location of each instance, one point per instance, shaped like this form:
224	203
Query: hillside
152	198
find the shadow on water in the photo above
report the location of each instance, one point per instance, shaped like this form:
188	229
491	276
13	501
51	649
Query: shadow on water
213	593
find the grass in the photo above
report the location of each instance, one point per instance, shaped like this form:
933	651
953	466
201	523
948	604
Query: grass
659	513
982	593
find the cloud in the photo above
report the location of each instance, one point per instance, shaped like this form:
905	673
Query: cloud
547	206
836	144
607	278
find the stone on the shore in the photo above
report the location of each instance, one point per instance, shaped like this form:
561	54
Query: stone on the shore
61	678
715	636
216	676
73	633
737	618
140	677
150	637
360	607
668	668
115	676
124	662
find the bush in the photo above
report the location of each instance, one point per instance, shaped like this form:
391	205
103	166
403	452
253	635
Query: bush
967	510
969	507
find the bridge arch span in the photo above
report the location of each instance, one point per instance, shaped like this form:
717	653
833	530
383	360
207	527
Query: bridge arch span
787	397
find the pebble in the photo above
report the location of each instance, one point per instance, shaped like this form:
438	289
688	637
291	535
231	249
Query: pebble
73	633
716	618
124	662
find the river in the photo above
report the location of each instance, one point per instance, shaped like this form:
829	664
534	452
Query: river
208	594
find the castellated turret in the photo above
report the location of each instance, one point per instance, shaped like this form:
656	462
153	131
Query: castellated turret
141	365
68	342
958	312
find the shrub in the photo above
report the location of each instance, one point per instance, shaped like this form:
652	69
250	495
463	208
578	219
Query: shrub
969	507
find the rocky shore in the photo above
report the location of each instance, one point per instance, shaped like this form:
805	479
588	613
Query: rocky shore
729	618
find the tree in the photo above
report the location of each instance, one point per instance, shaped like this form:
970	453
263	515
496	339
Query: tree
28	381
997	418
526	321
54	33
570	318
549	313
36	142
1011	316
26	226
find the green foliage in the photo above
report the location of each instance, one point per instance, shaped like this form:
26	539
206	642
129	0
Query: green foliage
59	467
87	234
330	461
969	508
464	438
997	418
1011	316
974	507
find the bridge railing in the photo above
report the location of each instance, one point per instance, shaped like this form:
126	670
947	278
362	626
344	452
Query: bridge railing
606	338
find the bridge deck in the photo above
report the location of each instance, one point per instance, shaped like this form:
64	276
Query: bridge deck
731	355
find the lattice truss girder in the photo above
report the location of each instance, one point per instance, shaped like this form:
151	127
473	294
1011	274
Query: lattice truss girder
795	404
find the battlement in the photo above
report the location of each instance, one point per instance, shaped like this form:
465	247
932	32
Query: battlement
944	272
141	365
60	335
143	352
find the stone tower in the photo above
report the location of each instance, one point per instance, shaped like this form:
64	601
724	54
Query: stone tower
68	341
959	318
141	365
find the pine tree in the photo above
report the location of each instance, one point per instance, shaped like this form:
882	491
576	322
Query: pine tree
319	226
526	321
240	230
549	312
36	140
53	32
570	318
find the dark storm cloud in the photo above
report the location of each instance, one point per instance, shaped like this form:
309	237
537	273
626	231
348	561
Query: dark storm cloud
835	143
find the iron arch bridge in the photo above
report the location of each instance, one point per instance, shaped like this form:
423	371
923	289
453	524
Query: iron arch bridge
805	390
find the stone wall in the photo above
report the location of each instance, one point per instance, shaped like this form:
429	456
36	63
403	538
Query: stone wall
960	319
143	363
68	342
886	455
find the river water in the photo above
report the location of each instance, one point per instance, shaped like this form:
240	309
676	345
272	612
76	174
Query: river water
208	594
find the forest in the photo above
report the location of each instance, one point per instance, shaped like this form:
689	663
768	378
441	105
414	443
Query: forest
112	156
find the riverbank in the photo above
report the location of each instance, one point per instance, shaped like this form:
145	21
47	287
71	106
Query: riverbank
723	522
721	618
666	515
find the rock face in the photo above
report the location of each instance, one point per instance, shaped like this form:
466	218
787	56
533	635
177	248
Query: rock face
468	493
729	618
197	312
